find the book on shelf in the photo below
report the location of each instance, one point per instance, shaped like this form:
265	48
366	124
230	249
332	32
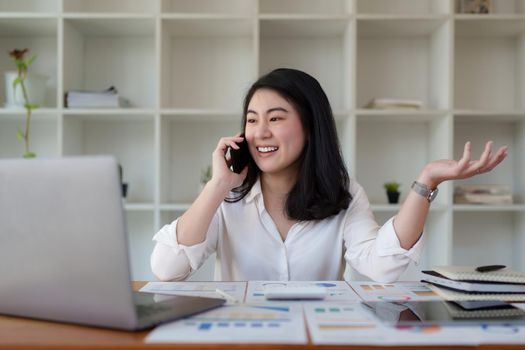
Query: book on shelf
394	103
483	194
470	286
108	98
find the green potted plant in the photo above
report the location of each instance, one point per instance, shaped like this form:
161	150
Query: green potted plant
392	191
20	81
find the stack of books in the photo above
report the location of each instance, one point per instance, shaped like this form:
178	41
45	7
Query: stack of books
466	283
483	194
394	103
108	98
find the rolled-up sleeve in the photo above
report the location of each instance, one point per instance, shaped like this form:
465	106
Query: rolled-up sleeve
173	261
373	250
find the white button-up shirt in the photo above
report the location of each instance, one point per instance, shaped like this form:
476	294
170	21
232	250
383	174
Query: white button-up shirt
249	246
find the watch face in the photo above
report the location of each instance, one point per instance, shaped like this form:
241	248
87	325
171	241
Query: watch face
432	195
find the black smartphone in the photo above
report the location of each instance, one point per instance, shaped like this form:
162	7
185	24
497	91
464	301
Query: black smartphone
239	158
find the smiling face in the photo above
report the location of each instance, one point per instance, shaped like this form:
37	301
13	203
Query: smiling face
274	132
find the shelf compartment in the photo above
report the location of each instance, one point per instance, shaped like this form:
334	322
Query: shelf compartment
312	45
398	151
43	136
327	7
499	7
489	208
511	171
195	115
175	207
29	6
39	35
104	115
131	142
489	64
394	208
140	245
207	63
99	53
139	207
223	7
495	116
378	115
498	235
404	7
18	114
186	149
110	6
404	58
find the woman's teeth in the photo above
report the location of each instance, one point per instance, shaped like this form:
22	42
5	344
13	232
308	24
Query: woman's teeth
267	149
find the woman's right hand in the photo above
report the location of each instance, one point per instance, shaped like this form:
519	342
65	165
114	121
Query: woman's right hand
221	173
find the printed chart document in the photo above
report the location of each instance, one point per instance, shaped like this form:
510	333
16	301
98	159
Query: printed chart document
264	323
201	289
399	291
342	323
351	323
337	290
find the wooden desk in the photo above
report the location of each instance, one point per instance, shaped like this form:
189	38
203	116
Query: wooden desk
21	333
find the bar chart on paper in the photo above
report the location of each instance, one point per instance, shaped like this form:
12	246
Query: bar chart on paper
269	323
399	291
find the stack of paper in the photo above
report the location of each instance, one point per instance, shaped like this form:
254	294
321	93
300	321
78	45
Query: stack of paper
95	99
483	194
394	103
465	283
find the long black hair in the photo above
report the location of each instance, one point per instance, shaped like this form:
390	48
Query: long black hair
322	184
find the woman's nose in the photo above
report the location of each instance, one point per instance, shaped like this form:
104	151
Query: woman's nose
262	131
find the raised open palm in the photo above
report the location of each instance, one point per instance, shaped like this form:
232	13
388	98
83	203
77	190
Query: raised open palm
444	169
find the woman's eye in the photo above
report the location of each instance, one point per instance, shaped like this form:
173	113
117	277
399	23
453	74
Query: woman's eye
250	120
274	119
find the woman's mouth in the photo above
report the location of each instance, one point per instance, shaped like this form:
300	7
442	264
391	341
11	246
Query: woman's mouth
267	149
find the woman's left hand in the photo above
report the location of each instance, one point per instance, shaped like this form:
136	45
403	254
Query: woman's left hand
438	171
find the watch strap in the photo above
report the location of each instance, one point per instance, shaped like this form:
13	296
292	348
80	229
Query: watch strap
424	191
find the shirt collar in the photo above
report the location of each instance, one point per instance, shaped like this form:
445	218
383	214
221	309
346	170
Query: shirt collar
254	192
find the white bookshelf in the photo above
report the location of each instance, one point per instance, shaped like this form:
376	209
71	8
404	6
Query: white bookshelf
185	66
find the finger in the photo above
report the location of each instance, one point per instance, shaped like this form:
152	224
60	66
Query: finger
496	159
226	142
485	157
465	159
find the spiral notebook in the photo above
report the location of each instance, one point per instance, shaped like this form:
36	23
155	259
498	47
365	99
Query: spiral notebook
469	273
456	311
449	294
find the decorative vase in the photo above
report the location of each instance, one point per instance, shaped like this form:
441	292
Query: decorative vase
393	197
35	86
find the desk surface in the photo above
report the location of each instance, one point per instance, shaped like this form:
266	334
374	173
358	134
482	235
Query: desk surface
20	333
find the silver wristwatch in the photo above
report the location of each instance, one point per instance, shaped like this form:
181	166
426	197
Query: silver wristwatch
423	190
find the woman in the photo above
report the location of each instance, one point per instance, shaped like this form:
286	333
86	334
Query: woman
293	213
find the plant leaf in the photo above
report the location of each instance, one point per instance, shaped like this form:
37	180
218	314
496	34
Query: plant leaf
19	135
29	155
30	106
30	61
16	82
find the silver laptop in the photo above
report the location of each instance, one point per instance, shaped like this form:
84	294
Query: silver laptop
63	247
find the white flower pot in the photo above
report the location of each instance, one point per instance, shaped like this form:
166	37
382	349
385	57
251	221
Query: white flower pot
35	86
